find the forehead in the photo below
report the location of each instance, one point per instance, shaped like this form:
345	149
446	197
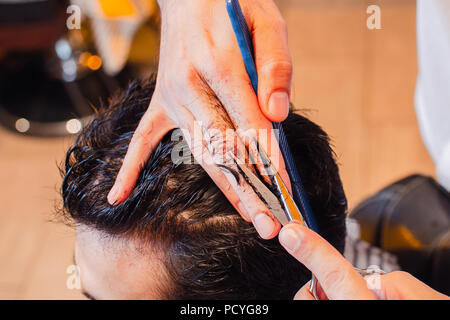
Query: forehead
118	268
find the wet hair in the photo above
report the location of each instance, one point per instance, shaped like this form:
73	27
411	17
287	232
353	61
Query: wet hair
209	251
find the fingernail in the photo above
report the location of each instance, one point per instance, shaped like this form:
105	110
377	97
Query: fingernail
279	104
264	225
290	238
113	195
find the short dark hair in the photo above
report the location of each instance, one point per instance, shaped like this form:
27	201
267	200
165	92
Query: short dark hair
210	252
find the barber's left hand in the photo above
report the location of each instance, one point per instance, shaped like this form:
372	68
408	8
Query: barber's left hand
202	87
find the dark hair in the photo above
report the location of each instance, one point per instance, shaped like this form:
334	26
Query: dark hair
209	250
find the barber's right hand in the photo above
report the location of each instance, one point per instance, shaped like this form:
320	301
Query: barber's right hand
200	59
339	280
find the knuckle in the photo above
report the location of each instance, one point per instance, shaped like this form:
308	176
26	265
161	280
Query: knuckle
278	68
276	24
136	140
191	76
217	68
141	138
217	144
398	275
335	279
222	72
178	77
281	25
306	249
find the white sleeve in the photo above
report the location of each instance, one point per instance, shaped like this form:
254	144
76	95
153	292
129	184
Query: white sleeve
432	98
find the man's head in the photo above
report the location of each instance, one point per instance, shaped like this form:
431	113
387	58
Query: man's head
176	236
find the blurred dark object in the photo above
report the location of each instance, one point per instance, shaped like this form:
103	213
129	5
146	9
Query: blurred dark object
25	11
31	24
36	101
411	219
51	78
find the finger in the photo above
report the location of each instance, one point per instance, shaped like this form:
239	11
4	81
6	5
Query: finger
400	285
234	90
153	126
273	61
304	293
193	135
226	75
238	98
207	114
335	274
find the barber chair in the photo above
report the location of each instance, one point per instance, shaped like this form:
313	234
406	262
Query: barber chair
411	219
52	78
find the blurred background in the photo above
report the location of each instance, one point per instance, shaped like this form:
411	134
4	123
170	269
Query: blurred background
358	84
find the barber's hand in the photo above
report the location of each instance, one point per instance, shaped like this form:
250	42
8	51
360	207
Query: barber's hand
200	59
339	280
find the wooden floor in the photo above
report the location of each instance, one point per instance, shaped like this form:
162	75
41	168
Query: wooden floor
357	83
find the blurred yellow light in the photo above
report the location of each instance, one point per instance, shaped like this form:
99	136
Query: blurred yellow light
84	57
94	62
117	8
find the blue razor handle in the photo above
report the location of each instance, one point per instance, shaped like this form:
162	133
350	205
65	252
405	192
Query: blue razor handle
245	43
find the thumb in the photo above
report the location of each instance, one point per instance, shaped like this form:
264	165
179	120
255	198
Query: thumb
338	278
273	62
